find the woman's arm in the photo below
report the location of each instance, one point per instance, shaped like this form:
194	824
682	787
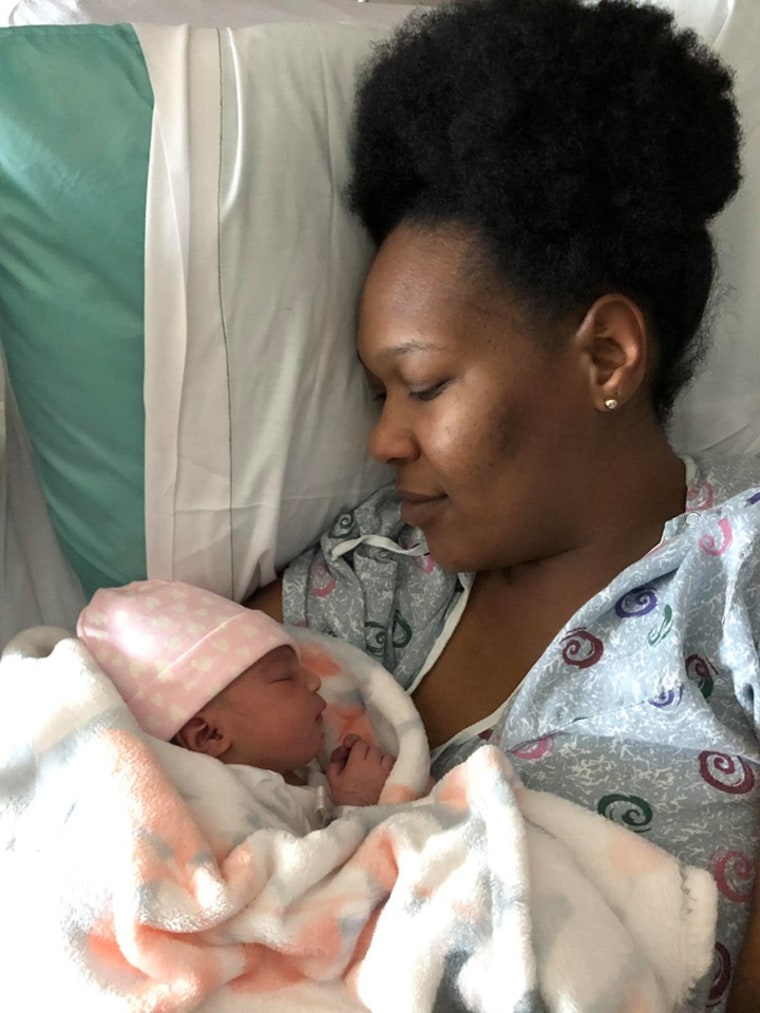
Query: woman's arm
745	990
268	599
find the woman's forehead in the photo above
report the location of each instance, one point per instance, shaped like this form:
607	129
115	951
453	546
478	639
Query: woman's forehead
425	287
415	257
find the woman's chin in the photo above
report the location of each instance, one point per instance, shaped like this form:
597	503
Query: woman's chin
447	550
454	556
449	557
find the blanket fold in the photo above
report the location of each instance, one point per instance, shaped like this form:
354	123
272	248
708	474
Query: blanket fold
137	876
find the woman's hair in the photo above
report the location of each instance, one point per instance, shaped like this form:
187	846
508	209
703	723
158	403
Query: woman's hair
586	146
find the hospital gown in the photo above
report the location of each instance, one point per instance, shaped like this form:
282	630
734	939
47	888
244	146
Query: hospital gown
645	707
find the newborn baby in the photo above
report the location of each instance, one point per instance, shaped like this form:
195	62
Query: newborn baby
214	677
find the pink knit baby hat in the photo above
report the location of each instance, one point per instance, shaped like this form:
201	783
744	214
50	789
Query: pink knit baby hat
169	647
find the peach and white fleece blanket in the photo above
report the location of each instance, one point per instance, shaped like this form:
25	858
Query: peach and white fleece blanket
137	877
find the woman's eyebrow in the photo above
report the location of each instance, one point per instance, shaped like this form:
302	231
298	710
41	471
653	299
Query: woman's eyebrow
404	347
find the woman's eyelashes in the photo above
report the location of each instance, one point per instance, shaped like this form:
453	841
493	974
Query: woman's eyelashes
380	395
430	392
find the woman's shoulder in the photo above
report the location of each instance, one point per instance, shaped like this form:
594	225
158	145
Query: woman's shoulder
712	481
723	510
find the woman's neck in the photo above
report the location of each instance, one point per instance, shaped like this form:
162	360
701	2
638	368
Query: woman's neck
632	497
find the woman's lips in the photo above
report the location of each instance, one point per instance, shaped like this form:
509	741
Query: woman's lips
419	509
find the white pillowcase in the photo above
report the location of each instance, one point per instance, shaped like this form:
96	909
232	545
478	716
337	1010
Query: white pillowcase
257	409
720	412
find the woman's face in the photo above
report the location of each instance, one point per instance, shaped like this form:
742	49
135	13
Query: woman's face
489	428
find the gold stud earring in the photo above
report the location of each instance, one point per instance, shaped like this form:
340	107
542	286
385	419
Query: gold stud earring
611	403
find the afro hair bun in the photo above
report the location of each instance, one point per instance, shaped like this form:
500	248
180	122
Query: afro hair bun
558	109
588	144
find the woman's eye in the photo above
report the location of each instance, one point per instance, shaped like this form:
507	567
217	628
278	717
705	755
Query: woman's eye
378	396
428	393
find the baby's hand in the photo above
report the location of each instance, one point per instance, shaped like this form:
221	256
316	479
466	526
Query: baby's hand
358	771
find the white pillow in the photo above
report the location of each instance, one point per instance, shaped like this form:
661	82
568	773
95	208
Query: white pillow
291	450
720	412
257	410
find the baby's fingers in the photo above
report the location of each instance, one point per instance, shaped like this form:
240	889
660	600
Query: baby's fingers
359	751
339	755
333	773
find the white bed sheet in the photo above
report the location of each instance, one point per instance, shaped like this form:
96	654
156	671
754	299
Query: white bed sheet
38	585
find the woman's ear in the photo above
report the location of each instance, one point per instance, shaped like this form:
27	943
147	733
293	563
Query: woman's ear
204	733
613	340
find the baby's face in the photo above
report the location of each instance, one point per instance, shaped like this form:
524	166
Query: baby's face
275	713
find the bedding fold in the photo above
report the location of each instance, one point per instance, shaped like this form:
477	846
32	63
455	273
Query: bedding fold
143	877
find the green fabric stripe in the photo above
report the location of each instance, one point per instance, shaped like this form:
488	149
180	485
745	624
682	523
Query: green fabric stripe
75	121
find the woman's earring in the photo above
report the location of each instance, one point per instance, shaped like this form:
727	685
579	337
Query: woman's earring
611	403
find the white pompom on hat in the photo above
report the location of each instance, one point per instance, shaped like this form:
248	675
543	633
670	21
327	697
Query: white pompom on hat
169	647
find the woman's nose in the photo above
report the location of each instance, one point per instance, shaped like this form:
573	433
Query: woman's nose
391	440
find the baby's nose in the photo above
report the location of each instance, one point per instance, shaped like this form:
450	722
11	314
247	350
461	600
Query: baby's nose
312	681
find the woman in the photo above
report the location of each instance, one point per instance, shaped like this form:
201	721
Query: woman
538	176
